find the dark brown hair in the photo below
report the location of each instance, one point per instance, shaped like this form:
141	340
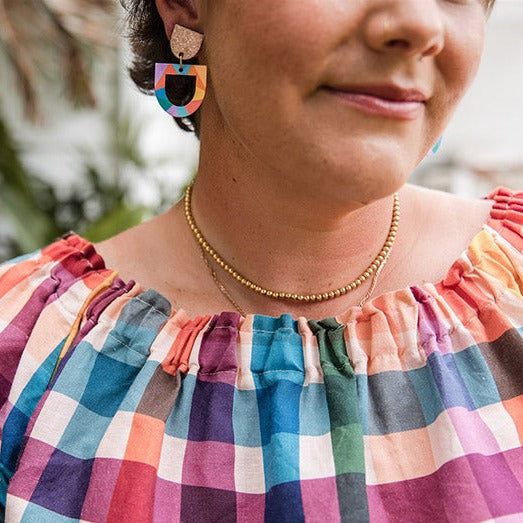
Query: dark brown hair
149	45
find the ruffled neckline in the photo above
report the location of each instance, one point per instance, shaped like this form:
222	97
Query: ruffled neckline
507	209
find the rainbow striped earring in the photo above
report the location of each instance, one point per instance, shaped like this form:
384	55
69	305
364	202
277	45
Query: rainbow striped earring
185	44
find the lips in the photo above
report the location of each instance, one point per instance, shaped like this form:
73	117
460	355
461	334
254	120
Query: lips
385	100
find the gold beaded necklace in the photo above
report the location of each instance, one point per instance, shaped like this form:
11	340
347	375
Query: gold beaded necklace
372	270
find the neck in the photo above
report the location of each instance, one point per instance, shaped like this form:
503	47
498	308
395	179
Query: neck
297	239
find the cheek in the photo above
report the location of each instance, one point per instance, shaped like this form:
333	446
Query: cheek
463	58
249	76
457	66
261	48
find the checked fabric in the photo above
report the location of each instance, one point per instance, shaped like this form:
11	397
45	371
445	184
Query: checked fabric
113	407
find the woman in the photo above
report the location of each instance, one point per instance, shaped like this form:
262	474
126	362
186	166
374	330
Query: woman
127	404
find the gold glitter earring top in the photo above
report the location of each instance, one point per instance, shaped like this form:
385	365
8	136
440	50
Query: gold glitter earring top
185	43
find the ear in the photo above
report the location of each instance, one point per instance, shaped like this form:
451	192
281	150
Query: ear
181	12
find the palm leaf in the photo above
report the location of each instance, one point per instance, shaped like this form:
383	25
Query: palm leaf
36	34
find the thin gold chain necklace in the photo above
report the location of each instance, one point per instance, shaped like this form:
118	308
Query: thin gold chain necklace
372	270
226	293
222	288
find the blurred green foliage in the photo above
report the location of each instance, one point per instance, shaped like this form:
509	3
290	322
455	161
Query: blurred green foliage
36	213
26	203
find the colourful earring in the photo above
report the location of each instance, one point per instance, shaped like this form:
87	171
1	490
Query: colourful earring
436	147
185	44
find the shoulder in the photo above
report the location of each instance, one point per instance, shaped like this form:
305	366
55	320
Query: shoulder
439	206
437	228
41	297
495	247
42	300
501	210
52	270
133	249
158	254
507	215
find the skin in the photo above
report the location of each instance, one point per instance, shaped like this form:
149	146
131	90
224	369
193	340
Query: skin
294	185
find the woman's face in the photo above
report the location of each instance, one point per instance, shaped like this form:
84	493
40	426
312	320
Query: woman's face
349	94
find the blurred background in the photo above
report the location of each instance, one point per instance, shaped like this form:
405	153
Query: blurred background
81	149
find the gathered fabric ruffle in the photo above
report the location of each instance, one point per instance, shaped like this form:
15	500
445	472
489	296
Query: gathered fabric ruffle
114	406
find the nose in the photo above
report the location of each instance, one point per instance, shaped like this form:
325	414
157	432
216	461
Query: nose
409	27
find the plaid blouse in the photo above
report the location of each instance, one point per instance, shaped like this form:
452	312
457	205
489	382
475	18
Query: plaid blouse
113	407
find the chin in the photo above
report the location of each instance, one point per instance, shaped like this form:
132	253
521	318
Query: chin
370	177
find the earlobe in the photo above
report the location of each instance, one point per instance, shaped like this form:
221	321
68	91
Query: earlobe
177	12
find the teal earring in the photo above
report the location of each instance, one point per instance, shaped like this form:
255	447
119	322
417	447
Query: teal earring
436	147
